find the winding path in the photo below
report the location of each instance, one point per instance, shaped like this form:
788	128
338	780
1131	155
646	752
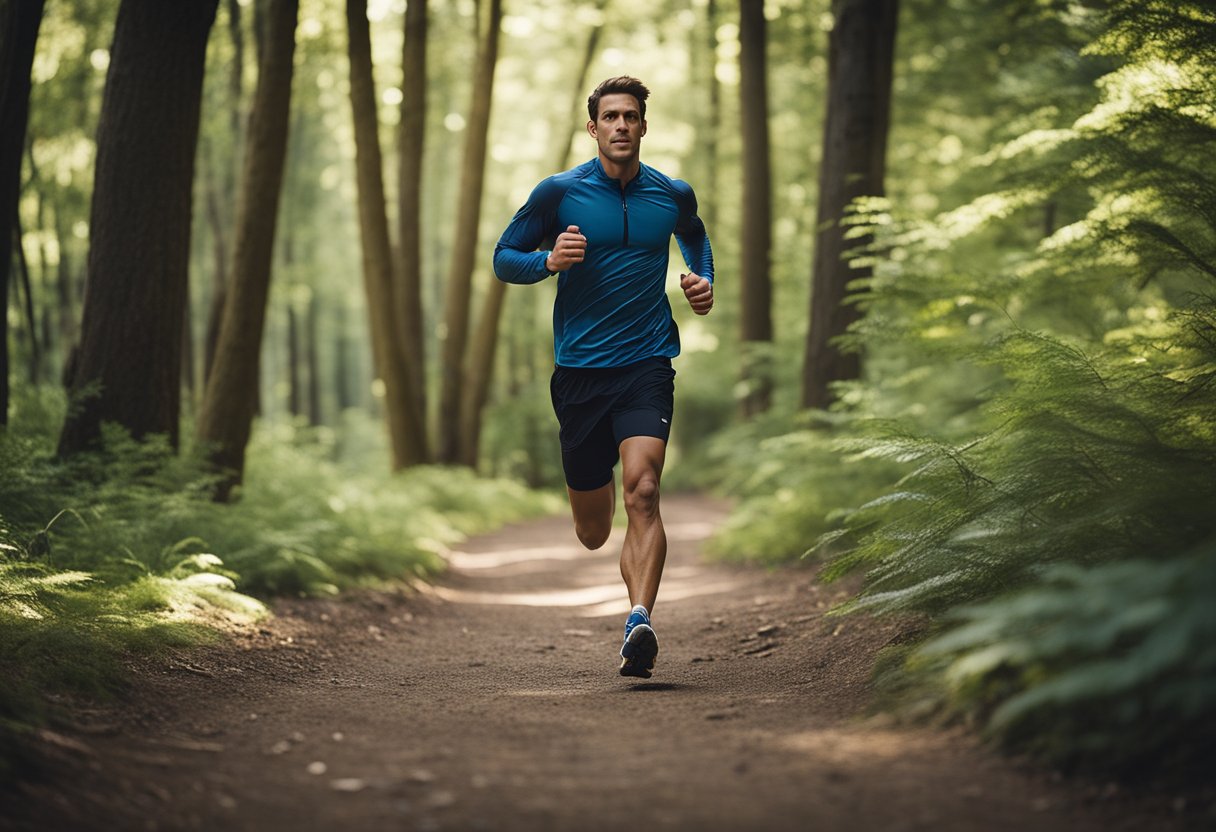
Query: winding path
491	701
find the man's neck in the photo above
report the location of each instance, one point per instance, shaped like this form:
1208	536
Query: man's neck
625	172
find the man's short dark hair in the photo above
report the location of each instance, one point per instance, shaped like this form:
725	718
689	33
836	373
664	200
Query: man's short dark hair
623	83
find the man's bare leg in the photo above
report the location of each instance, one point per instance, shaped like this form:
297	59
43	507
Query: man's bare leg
645	549
593	512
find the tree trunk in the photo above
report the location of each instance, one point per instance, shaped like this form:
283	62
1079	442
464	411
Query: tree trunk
485	339
219	282
405	420
408	295
128	364
230	400
708	208
294	397
464	252
312	361
221	187
860	51
19	23
756	290
25	285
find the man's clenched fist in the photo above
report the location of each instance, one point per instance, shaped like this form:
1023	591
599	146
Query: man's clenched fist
699	291
570	248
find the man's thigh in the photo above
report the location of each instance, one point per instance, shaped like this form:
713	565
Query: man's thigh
588	467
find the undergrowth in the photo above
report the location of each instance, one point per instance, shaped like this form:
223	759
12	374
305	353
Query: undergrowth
123	552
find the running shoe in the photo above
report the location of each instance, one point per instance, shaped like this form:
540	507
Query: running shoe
639	651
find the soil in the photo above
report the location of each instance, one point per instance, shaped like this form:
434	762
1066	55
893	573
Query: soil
491	700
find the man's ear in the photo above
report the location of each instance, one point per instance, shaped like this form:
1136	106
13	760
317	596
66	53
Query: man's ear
591	129
643	127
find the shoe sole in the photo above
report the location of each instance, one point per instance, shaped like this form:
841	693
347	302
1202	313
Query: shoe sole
639	652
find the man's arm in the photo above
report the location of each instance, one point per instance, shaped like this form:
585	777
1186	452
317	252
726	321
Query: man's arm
693	239
691	235
516	259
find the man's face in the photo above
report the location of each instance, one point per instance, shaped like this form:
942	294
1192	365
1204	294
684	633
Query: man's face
619	128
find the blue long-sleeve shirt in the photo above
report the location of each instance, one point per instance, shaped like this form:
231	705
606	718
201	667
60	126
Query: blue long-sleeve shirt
611	309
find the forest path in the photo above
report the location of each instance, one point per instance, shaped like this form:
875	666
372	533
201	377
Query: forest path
492	702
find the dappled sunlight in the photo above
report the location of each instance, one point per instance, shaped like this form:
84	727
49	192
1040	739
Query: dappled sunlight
853	747
509	557
599	600
670	592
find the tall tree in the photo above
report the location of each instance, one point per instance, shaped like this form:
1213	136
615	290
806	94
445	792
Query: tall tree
230	400
861	49
709	207
408	294
468	214
485	337
754	270
221	187
407	428
19	23
128	362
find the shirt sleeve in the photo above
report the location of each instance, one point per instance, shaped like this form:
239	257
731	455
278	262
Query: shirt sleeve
516	258
691	235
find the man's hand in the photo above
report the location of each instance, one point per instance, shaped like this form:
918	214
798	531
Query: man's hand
699	291
570	248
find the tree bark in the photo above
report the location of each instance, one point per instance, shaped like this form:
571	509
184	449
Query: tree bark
708	207
405	419
861	48
408	294
312	361
485	339
128	363
755	269
468	213
219	281
226	416
295	396
19	24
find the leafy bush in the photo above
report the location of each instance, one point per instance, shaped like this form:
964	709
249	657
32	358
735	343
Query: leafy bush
1063	544
124	550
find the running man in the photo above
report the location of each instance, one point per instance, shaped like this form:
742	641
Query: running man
605	229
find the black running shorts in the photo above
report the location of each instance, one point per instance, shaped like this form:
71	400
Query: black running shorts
599	407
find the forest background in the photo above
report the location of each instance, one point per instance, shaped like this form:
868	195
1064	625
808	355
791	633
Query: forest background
964	337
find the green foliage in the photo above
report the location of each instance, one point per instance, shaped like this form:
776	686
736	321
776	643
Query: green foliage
791	488
1073	500
124	552
1109	665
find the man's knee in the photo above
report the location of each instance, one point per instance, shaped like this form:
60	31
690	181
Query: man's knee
592	535
642	494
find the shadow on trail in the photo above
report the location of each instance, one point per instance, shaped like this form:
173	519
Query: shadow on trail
655	687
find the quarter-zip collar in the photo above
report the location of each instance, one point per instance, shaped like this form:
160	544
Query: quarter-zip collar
603	174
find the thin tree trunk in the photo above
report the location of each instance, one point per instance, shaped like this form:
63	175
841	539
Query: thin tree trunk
128	364
485	338
405	419
65	301
861	48
19	24
708	199
294	397
343	369
220	185
312	360
26	289
219	283
468	214
226	416
756	291
408	294
188	380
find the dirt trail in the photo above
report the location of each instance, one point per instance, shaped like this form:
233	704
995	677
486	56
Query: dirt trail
492	702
